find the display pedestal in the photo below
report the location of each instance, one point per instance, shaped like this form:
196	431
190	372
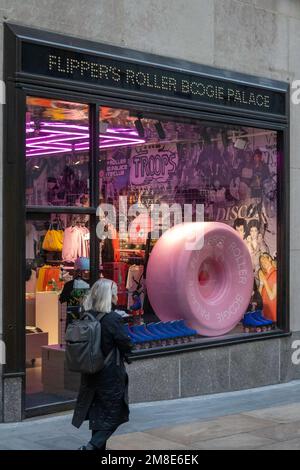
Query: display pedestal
30	309
34	343
56	378
48	315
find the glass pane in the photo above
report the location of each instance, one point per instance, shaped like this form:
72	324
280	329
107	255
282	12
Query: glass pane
228	174
57	153
57	278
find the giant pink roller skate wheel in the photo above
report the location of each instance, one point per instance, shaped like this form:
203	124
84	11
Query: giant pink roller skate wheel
201	272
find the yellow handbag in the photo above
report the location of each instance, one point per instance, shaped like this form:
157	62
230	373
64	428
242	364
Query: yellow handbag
53	240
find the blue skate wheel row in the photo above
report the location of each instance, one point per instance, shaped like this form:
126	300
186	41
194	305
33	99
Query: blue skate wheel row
256	320
156	334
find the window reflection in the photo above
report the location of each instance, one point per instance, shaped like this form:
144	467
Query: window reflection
57	153
231	170
57	279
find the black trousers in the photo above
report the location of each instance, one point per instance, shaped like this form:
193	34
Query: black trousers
99	439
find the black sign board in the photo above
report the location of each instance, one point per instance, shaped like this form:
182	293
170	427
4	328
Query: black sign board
139	77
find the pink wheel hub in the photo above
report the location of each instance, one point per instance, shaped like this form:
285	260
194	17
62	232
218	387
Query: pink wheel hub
201	272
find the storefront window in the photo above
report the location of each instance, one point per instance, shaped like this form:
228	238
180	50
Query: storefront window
57	153
157	178
227	174
57	243
57	278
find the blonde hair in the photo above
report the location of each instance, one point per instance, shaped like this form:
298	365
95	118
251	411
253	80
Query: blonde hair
99	298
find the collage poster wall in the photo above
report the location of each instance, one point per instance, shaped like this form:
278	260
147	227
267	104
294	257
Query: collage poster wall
236	182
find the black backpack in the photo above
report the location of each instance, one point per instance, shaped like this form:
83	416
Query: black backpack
83	345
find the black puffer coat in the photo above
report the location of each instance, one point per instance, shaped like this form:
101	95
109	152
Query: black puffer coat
103	397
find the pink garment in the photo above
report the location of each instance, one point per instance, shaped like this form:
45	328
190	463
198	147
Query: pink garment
76	243
85	242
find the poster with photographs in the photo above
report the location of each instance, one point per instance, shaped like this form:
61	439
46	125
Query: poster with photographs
235	178
114	173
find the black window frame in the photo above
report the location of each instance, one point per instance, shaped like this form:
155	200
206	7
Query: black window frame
20	85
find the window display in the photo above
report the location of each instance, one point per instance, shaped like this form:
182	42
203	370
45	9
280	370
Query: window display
228	172
184	221
57	279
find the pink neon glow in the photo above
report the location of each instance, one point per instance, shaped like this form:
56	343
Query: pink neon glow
55	134
118	131
81	127
31	153
59	138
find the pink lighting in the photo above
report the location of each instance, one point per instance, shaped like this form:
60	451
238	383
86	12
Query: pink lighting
59	138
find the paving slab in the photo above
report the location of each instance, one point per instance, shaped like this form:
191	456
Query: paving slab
61	443
279	414
204	431
19	443
243	441
280	432
294	444
142	441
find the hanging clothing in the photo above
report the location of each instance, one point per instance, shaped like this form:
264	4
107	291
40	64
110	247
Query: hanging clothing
31	283
117	272
135	282
85	243
76	243
110	245
51	274
40	279
31	240
107	253
46	275
116	248
71	244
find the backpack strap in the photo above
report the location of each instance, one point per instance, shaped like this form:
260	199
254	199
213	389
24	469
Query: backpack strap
93	317
88	315
118	360
109	356
100	316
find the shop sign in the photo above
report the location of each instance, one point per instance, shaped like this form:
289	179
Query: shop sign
140	77
153	164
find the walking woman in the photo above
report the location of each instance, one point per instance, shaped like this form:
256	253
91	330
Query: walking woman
103	396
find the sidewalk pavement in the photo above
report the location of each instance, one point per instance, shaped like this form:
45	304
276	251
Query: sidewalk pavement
267	418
